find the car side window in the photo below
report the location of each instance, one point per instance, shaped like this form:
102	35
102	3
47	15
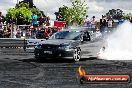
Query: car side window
77	37
85	35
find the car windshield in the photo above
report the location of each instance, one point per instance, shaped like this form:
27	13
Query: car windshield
68	35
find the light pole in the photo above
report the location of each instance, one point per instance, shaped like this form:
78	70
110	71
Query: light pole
17	1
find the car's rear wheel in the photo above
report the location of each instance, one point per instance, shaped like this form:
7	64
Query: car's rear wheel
77	54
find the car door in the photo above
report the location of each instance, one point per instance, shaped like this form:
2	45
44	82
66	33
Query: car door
84	45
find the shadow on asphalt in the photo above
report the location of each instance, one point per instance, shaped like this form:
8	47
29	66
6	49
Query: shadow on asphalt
56	60
90	58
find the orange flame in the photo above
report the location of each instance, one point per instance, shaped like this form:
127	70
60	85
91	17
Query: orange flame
81	71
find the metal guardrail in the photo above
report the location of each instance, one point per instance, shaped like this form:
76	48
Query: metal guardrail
18	43
12	43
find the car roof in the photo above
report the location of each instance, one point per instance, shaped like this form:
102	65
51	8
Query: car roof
79	29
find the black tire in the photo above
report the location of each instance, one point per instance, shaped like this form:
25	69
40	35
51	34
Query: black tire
82	80
77	54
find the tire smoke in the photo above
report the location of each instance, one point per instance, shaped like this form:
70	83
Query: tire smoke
119	44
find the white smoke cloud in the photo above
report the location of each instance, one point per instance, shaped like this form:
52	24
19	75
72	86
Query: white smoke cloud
119	44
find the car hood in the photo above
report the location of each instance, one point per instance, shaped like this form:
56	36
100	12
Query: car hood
57	42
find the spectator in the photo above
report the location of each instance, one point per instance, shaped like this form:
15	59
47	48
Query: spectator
6	32
11	20
87	22
1	17
130	19
28	34
102	24
41	21
1	29
46	34
1	26
35	24
93	24
39	33
14	33
18	35
110	23
50	31
47	21
34	20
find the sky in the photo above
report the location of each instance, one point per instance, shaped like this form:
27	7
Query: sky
96	7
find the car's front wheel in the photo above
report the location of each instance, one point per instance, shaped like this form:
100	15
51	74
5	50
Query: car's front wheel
77	54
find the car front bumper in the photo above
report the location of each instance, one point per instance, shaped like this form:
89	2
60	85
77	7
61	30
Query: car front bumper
39	53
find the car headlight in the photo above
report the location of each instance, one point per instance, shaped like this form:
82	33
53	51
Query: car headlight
65	47
38	46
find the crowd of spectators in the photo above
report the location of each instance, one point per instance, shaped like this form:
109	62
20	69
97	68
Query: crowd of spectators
105	24
39	27
102	26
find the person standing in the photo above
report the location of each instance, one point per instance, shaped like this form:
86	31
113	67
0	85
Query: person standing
41	21
35	24
1	25
110	23
34	20
130	19
47	21
87	22
102	24
2	18
93	24
1	29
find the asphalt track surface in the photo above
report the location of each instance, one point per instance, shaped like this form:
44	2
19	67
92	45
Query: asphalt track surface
19	69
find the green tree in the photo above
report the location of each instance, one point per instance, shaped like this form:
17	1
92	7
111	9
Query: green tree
24	10
64	14
79	11
115	13
34	9
22	4
126	16
16	12
37	11
75	13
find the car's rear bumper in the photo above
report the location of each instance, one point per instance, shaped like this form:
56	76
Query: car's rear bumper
54	54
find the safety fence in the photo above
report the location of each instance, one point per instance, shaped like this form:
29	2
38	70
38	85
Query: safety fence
12	43
18	45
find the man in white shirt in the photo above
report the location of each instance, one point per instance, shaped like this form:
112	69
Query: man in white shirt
93	24
110	24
